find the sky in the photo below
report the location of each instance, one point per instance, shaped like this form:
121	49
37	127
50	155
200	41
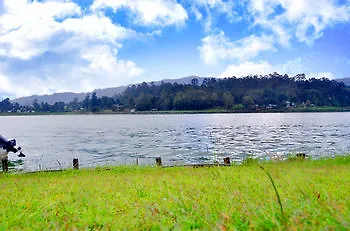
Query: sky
53	46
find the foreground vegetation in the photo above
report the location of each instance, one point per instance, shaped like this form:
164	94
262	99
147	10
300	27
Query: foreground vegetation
314	196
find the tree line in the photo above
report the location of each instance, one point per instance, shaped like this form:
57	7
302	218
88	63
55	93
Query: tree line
249	94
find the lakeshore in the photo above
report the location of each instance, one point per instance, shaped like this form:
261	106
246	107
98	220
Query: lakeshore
209	111
313	195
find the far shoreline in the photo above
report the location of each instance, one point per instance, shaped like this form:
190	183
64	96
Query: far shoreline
178	112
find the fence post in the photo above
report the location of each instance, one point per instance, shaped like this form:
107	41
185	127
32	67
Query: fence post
5	164
159	161
227	161
75	163
301	155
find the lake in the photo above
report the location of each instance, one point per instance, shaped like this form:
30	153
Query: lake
51	142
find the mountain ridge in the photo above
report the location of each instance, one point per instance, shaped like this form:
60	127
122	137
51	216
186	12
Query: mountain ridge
68	97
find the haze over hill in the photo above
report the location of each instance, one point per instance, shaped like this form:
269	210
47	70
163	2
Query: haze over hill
346	81
67	97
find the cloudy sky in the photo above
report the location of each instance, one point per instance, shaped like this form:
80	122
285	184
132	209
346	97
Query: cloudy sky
78	45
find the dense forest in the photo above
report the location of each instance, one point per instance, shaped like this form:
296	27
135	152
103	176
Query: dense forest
251	93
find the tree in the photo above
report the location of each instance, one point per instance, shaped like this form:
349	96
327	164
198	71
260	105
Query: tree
86	102
74	105
106	102
194	82
248	102
58	107
36	105
144	102
228	100
45	107
5	105
94	104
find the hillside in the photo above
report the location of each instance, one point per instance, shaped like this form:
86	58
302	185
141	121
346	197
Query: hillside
346	81
67	97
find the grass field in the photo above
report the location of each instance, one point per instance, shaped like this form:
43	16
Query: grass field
314	196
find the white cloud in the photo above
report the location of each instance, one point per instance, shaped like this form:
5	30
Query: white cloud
102	62
247	68
26	28
95	27
50	46
218	47
197	13
212	8
148	12
304	19
5	85
36	34
318	75
291	67
19	12
91	68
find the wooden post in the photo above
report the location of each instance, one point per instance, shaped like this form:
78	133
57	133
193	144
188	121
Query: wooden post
227	161
159	161
137	161
301	155
75	163
5	164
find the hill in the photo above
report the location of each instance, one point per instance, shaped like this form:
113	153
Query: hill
67	97
346	81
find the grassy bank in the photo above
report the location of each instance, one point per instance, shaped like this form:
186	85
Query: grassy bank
314	196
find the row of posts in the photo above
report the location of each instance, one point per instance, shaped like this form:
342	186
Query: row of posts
227	162
5	166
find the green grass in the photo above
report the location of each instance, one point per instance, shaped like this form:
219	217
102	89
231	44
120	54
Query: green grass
314	196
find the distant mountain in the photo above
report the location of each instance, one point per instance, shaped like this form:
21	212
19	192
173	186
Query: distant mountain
185	80
346	81
69	96
50	99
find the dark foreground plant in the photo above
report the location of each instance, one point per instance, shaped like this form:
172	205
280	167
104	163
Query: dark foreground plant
274	186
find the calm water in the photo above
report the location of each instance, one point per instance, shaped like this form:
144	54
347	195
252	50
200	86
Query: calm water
51	142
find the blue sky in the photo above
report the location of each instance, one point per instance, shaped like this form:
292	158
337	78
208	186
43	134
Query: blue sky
59	45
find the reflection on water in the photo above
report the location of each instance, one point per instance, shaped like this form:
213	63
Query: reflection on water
51	142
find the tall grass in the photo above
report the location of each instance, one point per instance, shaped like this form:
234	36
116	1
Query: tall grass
314	195
274	187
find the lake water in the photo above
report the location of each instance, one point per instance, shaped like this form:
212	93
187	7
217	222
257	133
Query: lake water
51	142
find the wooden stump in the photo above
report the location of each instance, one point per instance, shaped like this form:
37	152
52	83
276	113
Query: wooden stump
5	164
301	155
75	163
227	161
159	161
